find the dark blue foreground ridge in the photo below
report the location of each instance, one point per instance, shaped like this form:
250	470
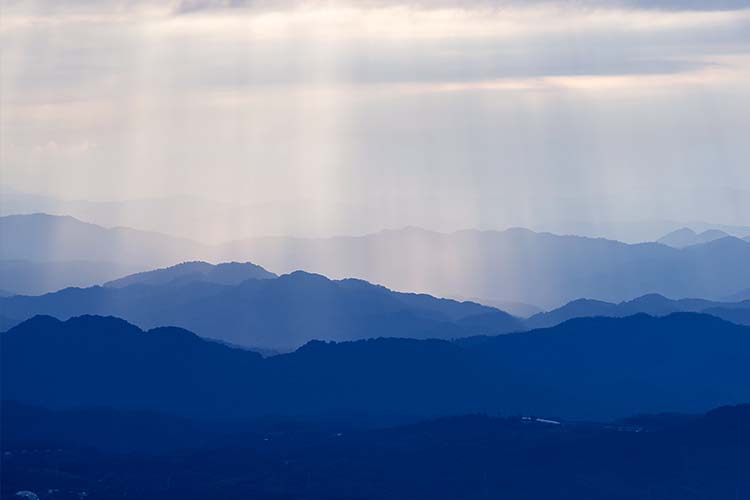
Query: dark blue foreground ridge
585	368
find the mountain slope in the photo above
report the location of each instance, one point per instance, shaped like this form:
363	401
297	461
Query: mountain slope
514	265
587	368
49	238
281	313
32	278
228	273
686	237
653	304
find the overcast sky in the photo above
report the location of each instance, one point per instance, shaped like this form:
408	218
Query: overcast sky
505	112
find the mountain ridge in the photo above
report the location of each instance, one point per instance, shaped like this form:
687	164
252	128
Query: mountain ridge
506	265
652	304
225	273
272	313
581	368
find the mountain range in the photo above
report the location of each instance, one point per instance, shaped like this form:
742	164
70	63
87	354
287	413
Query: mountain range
686	237
515	265
43	253
37	277
228	273
653	304
582	369
211	221
246	305
243	304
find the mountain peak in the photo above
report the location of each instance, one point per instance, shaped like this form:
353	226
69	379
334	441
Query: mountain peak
304	276
650	298
227	273
43	325
686	237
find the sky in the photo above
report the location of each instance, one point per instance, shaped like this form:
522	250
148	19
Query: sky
448	114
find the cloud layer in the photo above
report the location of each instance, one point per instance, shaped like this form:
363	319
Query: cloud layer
503	110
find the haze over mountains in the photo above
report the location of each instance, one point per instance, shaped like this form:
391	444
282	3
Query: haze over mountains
654	305
517	264
42	253
229	273
37	277
266	312
686	237
100	386
375	250
503	266
48	238
243	304
217	221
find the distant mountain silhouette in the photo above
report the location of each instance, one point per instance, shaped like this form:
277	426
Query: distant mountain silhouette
515	265
586	368
652	304
33	278
111	454
518	309
228	273
202	219
44	253
280	314
686	237
739	296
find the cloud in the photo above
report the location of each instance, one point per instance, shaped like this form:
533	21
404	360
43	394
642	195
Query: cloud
188	6
493	104
181	7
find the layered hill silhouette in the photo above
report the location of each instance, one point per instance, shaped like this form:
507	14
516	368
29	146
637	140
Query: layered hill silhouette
653	304
585	368
229	273
195	217
34	277
270	313
43	253
515	265
225	302
505	265
686	237
49	238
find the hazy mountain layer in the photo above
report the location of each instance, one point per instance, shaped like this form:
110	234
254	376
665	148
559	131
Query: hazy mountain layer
686	237
515	265
654	305
229	273
47	238
34	277
214	222
281	313
508	266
